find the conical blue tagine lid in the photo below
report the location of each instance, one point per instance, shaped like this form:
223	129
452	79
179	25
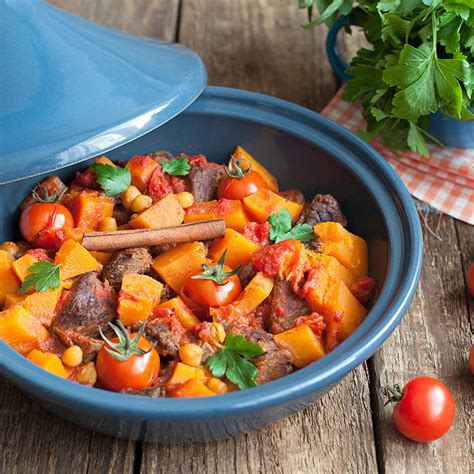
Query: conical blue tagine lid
71	90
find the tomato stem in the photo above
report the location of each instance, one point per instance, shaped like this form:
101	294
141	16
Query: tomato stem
46	196
216	272
394	393
235	170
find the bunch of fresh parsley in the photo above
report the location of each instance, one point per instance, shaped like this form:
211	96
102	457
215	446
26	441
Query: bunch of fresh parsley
421	61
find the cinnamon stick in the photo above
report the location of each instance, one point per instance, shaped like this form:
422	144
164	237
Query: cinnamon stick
124	239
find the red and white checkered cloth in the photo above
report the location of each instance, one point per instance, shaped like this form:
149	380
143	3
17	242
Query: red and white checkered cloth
445	180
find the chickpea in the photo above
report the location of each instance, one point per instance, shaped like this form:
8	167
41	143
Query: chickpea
185	199
107	224
10	247
141	203
87	375
220	331
129	195
217	386
72	356
191	354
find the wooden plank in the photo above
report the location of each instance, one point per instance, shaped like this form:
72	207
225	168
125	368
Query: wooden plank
31	439
151	18
259	46
433	339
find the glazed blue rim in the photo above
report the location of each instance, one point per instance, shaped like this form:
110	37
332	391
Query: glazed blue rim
405	243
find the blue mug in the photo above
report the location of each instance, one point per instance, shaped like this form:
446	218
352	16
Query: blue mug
451	132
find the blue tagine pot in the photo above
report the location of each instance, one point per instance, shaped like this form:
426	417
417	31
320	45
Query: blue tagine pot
448	131
72	90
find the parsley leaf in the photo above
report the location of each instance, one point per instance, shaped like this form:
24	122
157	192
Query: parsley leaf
43	276
111	179
281	228
230	361
176	166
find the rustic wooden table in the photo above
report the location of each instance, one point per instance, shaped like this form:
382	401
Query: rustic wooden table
258	45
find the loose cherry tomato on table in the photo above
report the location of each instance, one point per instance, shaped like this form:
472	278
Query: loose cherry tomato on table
217	286
424	409
130	362
240	182
470	279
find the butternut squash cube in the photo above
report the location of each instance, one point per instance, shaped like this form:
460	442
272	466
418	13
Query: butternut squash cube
13	299
90	209
138	296
342	314
21	330
305	347
239	248
261	204
42	305
180	373
175	265
49	362
335	270
101	257
75	260
167	212
349	249
22	265
232	211
191	388
271	181
9	282
182	311
317	288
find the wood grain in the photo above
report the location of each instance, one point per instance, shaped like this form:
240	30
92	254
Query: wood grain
152	18
433	339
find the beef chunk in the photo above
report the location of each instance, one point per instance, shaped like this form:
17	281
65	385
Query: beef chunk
294	195
89	345
272	365
323	208
246	273
151	392
121	214
167	334
285	307
205	181
158	249
314	244
89	307
160	155
167	293
137	260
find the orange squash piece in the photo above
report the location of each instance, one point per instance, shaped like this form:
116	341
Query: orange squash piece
105	161
89	209
180	374
9	282
349	249
175	265
75	260
167	212
254	293
305	347
141	168
73	233
239	248
317	285
22	265
12	299
232	211
42	305
21	330
182	311
49	362
271	181
137	297
261	204
335	270
101	257
191	388
342	314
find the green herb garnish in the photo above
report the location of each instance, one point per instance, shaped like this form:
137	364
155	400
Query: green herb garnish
111	179
216	272
176	166
43	276
421	61
230	361
125	347
281	228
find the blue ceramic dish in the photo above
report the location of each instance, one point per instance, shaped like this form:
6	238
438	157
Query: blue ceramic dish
450	132
304	150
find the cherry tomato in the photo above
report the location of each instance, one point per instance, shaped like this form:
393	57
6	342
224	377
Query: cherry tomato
471	359
470	279
40	222
425	410
238	188
208	294
136	373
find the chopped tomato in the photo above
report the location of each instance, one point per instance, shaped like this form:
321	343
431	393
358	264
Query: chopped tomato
315	321
257	233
